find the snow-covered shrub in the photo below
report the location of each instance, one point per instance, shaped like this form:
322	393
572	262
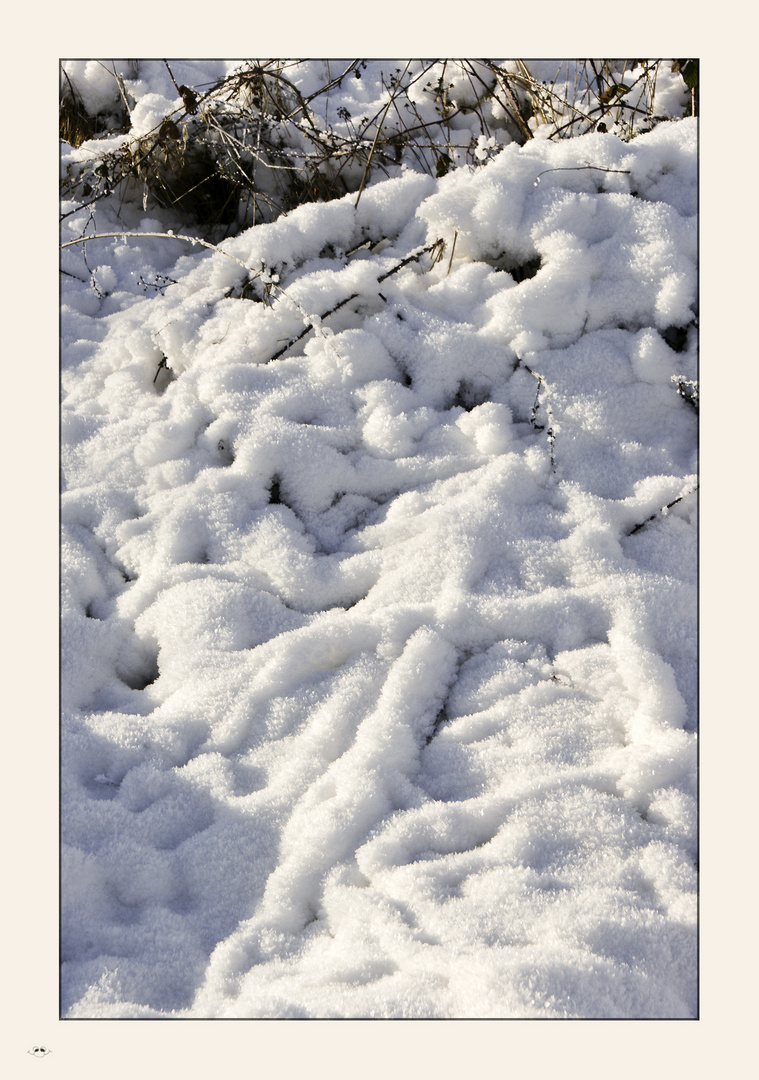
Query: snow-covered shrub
260	138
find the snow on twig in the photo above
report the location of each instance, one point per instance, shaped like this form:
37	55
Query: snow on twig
436	250
165	235
547	402
660	513
578	168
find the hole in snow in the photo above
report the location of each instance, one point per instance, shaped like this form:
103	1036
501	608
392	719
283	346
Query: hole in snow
676	337
103	786
526	270
140	675
469	395
226	453
520	270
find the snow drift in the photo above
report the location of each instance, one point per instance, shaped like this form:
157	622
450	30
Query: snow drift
378	658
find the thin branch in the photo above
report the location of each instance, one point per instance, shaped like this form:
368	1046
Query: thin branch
164	235
579	168
162	363
453	248
502	79
311	325
660	513
329	85
408	259
533	415
377	134
171	76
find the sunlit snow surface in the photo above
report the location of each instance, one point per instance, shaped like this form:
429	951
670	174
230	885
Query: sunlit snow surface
369	708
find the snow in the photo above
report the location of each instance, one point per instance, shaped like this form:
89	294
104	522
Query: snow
375	702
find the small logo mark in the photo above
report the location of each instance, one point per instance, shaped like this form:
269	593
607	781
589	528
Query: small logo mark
39	1051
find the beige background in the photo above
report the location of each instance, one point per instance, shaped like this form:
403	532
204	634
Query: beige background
719	1044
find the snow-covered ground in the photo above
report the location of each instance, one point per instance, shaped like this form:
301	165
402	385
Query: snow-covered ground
379	657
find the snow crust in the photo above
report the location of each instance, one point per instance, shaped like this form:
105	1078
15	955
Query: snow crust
375	701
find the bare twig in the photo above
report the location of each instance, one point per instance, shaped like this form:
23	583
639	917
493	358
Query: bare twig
453	248
502	79
578	168
660	513
162	363
377	134
311	325
325	89
533	415
164	235
410	258
171	76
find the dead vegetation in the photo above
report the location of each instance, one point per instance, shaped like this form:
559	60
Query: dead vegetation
252	146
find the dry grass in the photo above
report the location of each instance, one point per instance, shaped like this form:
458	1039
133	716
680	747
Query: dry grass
252	147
